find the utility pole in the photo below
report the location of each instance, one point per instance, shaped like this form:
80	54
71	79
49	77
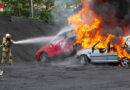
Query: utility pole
31	8
77	3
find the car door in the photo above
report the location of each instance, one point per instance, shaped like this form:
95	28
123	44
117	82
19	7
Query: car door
62	47
96	56
112	57
51	50
58	48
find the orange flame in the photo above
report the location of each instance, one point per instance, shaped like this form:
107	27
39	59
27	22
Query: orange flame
87	26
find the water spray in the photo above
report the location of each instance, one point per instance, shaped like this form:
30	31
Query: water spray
40	40
35	40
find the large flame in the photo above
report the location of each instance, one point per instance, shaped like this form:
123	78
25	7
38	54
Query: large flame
88	26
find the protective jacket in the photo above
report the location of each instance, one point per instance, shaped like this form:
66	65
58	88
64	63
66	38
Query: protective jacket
6	44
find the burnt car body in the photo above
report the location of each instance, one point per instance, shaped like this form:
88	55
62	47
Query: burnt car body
90	55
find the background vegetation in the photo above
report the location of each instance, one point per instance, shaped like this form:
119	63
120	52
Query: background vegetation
42	8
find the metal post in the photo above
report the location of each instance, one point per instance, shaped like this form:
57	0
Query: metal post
32	8
77	3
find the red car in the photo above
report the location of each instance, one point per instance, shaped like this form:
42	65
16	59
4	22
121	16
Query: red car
57	48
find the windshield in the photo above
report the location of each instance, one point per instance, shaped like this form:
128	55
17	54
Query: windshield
57	39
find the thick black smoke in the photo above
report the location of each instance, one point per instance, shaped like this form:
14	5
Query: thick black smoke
104	8
115	16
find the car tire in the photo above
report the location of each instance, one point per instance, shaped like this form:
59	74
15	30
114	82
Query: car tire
84	60
43	57
125	62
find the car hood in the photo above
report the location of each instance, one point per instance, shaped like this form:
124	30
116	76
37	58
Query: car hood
84	51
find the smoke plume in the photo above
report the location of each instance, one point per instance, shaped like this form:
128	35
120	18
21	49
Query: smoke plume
62	10
115	16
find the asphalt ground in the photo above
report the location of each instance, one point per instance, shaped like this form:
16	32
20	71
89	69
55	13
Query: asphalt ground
37	76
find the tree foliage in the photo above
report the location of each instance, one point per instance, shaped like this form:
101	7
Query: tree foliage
17	7
21	8
42	8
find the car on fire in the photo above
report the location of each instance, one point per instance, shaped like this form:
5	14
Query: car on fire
92	55
61	47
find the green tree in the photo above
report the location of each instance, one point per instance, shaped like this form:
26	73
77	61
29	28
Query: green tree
17	7
42	8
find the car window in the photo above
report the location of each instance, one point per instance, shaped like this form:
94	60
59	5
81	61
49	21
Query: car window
96	51
71	40
56	41
102	50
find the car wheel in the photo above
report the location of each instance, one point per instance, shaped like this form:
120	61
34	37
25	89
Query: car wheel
84	60
43	57
125	62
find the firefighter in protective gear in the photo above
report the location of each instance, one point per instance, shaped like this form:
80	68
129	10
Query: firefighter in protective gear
6	51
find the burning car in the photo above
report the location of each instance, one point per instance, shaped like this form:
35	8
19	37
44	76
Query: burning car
93	23
102	55
62	46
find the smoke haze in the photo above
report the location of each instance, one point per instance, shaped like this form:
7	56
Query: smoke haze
61	10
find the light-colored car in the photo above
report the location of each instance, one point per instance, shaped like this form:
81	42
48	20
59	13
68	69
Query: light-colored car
127	42
90	55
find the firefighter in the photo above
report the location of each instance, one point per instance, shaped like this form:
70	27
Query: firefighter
6	51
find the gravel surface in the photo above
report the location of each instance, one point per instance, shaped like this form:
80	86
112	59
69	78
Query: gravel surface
35	76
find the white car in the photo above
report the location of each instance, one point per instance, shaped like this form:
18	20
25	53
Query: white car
127	42
87	56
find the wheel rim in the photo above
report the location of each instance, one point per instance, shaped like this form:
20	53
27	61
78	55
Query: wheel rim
125	62
43	58
82	61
